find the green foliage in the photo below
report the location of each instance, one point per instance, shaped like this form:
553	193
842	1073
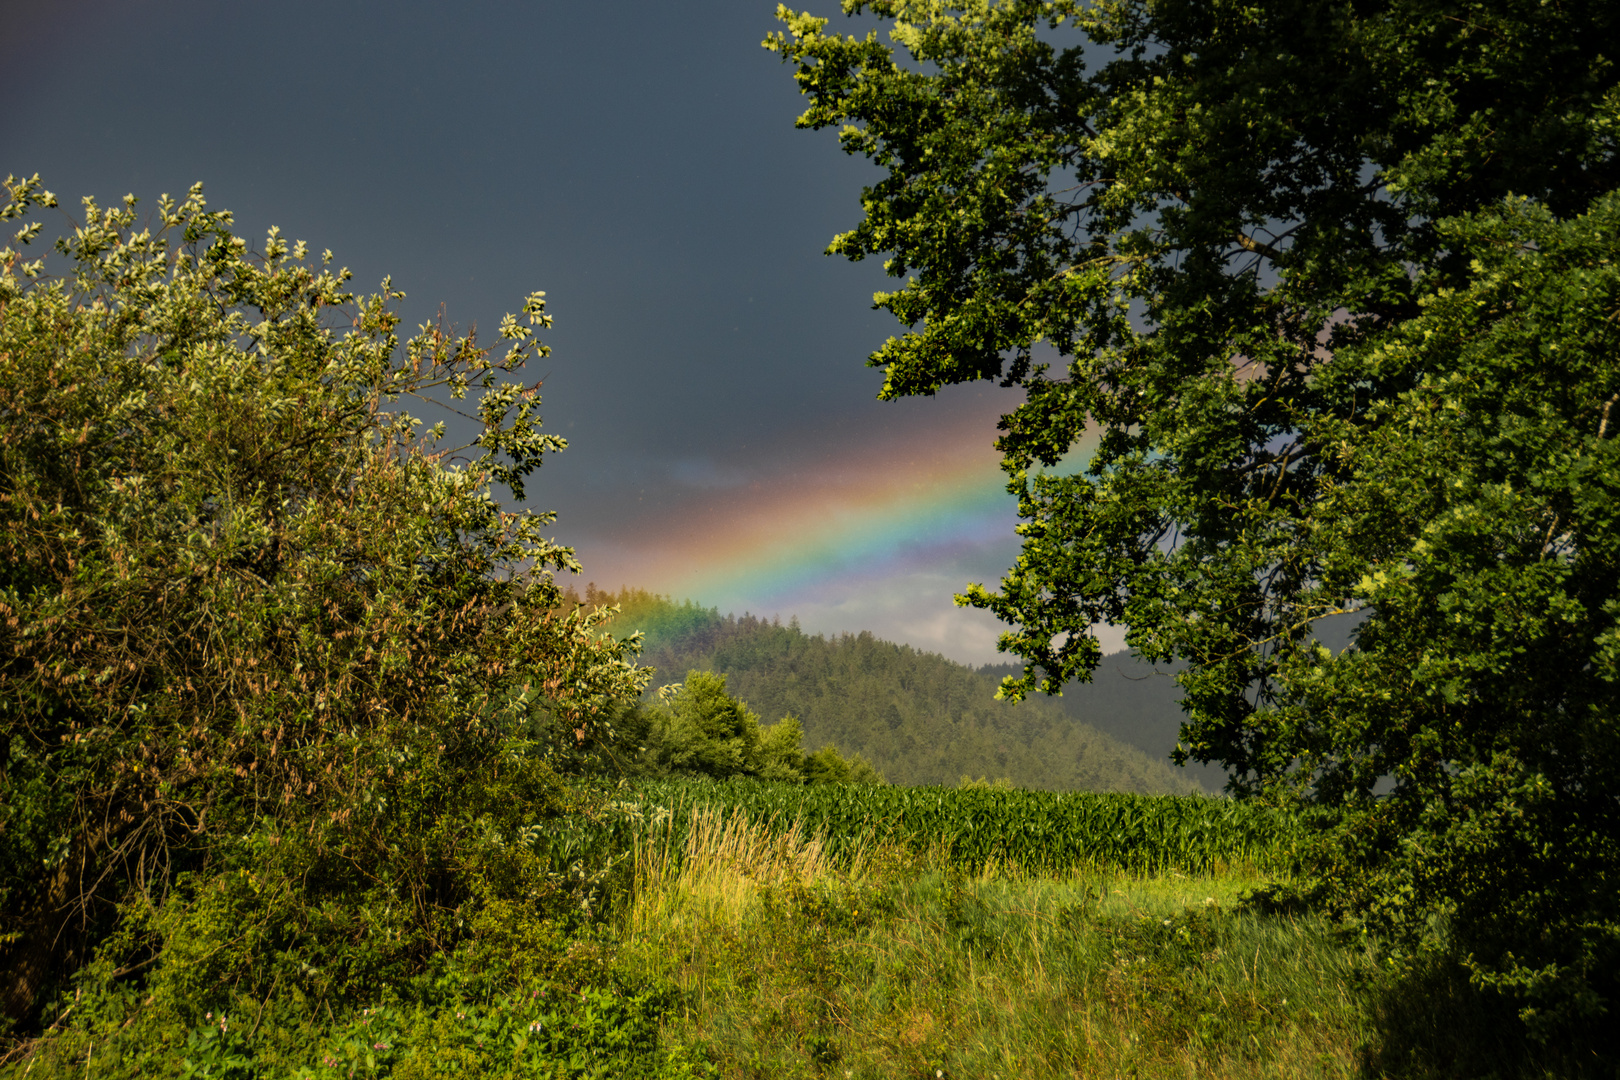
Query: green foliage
698	729
543	1033
780	751
1334	286
282	686
916	717
1477	522
827	766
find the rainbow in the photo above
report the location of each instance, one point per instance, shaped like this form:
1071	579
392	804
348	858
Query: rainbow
919	501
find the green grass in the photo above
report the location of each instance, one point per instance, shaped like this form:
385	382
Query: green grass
734	940
790	962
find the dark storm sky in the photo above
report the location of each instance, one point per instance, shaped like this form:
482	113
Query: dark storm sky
638	162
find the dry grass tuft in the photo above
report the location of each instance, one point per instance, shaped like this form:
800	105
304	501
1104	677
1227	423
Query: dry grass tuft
717	872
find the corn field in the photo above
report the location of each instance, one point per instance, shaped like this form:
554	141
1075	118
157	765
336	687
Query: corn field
973	829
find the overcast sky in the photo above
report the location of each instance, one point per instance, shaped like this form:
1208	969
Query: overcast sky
638	162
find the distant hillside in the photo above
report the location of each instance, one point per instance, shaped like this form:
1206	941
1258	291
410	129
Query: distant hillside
918	717
1132	700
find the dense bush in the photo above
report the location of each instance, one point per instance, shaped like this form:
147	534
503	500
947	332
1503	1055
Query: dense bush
1477	521
284	691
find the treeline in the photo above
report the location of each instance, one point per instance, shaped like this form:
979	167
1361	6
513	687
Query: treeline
917	717
1132	700
696	728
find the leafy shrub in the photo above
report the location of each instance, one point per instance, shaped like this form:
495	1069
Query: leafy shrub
284	691
549	1033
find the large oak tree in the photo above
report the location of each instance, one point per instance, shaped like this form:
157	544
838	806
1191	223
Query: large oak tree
1332	284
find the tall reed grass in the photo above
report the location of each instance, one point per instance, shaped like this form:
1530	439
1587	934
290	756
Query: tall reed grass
713	865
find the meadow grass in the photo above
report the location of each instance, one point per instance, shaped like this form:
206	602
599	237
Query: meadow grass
887	964
740	944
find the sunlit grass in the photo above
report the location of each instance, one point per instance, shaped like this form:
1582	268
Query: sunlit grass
715	874
792	964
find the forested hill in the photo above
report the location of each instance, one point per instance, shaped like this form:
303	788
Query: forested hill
918	717
1132	700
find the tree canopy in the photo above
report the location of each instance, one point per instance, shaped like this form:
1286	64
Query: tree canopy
1332	285
696	728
